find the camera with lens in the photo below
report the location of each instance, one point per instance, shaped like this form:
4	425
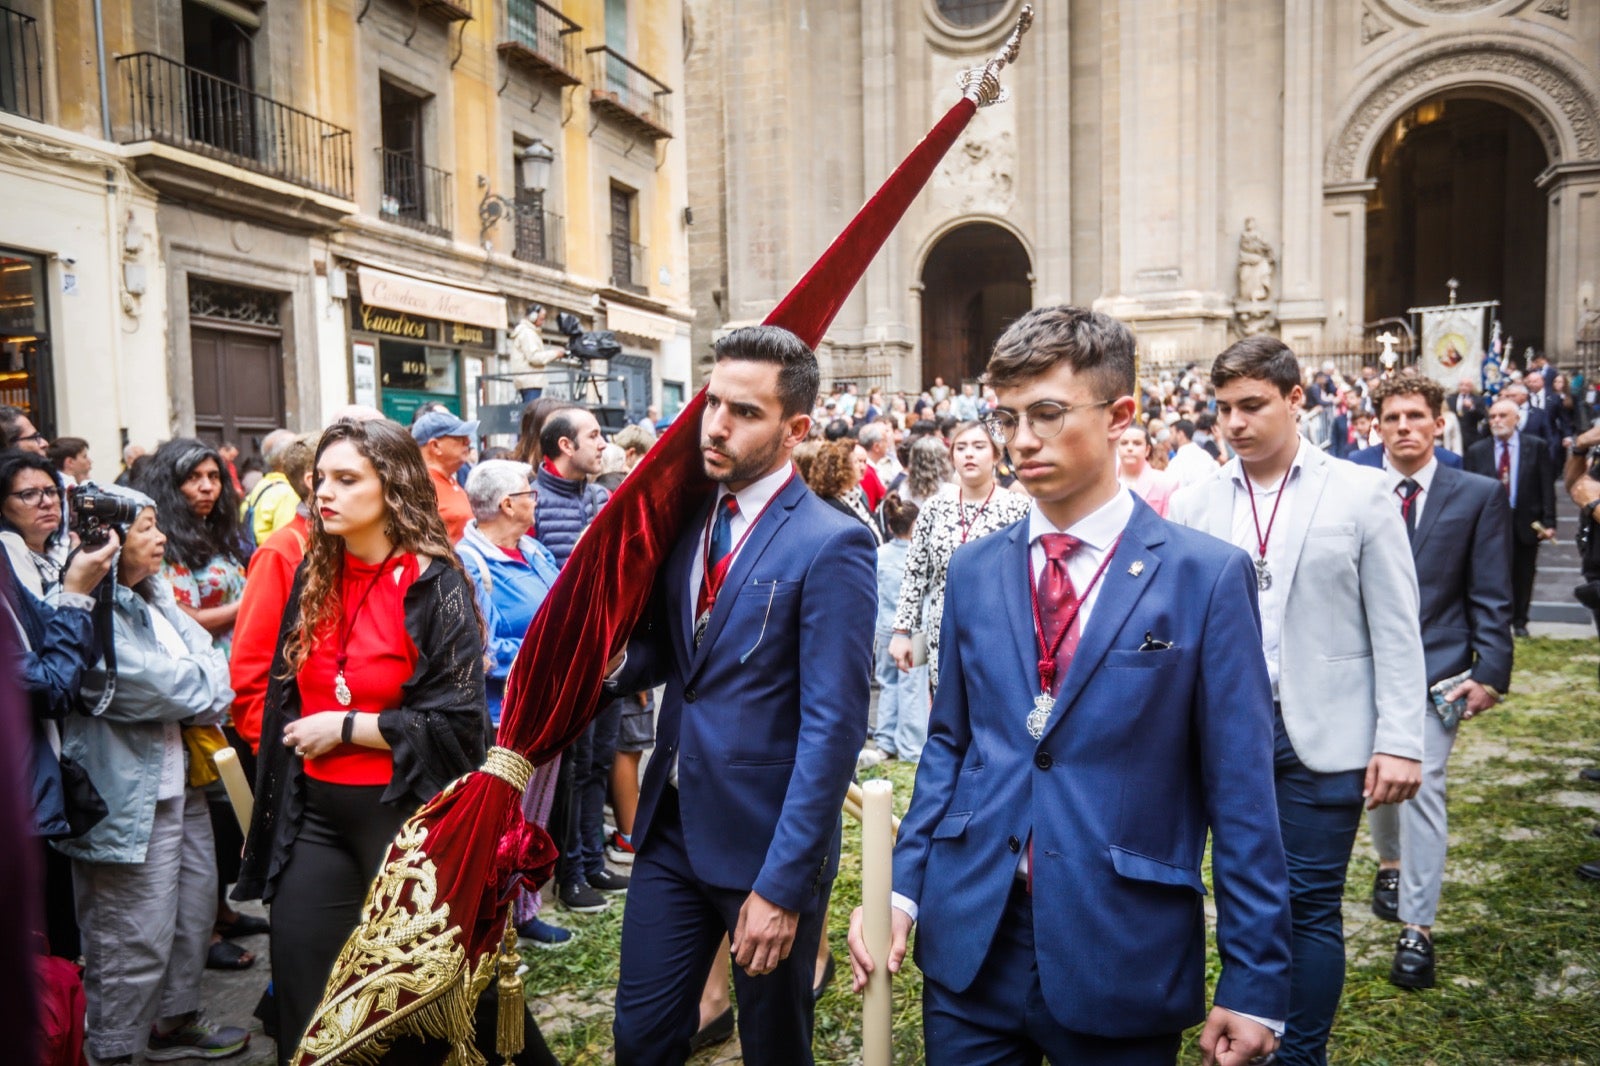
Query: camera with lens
587	344
95	514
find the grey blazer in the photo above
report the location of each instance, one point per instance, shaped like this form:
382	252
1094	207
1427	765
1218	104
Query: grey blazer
1351	679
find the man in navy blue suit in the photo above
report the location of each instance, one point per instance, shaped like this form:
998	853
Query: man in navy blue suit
761	630
1104	706
1373	457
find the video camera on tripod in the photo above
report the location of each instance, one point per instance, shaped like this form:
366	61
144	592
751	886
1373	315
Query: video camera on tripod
586	344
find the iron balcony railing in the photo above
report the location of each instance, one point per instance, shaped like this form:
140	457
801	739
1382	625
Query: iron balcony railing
539	236
545	36
627	265
415	194
616	83
21	65
187	108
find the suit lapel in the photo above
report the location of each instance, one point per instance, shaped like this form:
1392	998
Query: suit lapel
1120	590
681	622
1017	595
1438	498
760	535
1313	479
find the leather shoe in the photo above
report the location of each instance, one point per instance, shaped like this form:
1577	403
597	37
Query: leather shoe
827	979
1519	631
715	1031
1386	895
1590	871
1589	773
1413	961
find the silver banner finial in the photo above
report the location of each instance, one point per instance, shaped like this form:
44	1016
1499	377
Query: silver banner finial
982	85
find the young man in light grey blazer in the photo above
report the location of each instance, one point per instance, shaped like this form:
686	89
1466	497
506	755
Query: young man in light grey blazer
1340	632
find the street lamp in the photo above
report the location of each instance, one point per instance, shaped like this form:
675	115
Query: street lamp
533	168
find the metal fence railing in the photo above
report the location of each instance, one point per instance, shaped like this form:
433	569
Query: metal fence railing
415	194
21	65
616	82
546	33
175	104
539	236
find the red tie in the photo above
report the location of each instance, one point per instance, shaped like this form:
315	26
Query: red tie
1504	469
1057	597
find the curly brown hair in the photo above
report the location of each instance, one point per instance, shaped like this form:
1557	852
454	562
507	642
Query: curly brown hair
414	524
1431	391
833	471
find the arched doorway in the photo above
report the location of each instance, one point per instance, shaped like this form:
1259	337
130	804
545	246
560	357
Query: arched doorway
1455	196
975	282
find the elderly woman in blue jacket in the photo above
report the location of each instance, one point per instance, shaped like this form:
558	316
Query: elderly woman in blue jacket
145	876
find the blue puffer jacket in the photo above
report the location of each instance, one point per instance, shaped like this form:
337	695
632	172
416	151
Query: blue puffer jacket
564	510
509	593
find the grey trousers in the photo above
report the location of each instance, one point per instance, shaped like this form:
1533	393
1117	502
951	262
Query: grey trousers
147	927
1417	832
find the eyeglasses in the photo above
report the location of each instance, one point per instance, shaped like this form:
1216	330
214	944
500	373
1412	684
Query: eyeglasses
1045	419
527	492
35	435
37	497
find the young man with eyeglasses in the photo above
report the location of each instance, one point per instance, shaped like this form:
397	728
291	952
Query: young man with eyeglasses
1340	632
17	431
1096	720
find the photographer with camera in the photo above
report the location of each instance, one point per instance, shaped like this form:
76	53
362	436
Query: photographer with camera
31	520
145	877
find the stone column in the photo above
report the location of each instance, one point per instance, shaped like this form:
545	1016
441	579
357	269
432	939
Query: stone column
1344	259
1301	309
1572	276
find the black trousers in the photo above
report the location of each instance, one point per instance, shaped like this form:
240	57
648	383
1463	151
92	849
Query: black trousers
1524	567
339	850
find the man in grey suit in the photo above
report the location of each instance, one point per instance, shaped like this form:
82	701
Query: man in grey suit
1340	632
1460	530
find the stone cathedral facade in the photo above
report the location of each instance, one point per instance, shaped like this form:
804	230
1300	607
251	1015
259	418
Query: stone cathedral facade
1202	169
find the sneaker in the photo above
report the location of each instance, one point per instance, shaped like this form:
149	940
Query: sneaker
606	881
197	1038
542	934
619	849
579	896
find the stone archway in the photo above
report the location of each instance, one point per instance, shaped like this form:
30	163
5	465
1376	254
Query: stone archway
1556	99
976	280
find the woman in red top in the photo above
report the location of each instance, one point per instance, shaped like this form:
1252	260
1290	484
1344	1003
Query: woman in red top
376	701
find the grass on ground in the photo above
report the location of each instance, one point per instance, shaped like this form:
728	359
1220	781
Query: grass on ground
1518	938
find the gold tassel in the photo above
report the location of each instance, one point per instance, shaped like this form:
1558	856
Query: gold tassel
510	1036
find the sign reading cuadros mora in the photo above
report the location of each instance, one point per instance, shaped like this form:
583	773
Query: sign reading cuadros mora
428	299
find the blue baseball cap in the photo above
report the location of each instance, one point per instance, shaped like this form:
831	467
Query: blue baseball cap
436	424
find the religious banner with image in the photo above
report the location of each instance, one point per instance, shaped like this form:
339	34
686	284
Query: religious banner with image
1452	343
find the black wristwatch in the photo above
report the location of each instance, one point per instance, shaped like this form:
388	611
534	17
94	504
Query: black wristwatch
348	729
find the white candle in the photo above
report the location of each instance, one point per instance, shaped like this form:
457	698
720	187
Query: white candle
877	881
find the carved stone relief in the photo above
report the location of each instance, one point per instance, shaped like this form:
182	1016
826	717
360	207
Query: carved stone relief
1256	298
1558	8
978	176
1507	60
1372	25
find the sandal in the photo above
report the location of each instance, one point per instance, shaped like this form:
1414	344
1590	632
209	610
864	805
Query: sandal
225	955
244	925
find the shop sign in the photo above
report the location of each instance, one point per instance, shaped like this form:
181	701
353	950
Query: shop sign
428	299
394	324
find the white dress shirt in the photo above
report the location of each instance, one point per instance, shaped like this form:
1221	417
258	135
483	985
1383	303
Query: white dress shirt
1191	464
1273	599
1423	477
753	499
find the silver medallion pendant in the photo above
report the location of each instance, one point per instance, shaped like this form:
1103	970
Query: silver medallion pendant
341	691
1039	717
1263	575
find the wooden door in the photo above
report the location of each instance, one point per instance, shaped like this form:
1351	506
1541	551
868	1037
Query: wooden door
238	386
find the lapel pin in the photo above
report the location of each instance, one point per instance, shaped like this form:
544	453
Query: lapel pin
1137	568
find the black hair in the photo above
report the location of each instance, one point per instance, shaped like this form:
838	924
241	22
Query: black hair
192	541
838	429
1184	426
10	424
557	425
14	461
798	374
1262	357
922	427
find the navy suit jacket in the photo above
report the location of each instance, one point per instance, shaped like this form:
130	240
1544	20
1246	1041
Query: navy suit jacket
1462	541
768	715
1536	495
1373	456
1145	752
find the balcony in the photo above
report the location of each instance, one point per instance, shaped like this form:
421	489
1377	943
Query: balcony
415	194
542	40
627	266
628	95
21	66
447	11
167	103
539	236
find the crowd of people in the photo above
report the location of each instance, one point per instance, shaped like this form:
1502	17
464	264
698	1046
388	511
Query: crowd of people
344	609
